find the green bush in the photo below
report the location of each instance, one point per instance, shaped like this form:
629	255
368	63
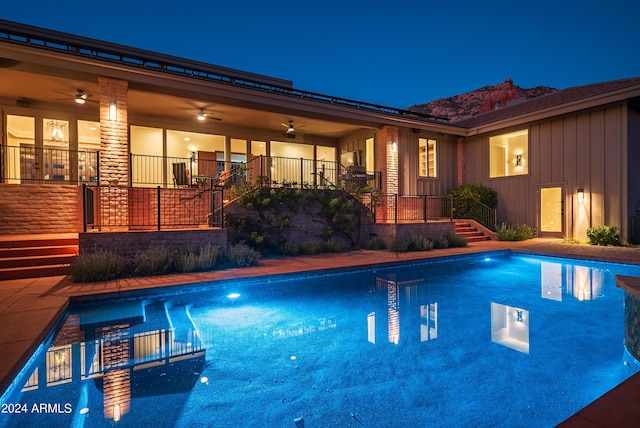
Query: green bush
333	246
291	249
310	248
440	242
399	245
515	232
375	243
153	261
194	258
604	235
456	240
101	265
419	243
465	193
241	255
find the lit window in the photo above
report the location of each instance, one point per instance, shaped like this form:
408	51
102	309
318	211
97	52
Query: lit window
509	154
427	157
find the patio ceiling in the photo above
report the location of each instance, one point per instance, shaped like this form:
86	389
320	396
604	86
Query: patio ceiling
46	92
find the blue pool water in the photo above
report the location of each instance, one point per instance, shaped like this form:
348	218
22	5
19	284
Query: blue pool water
496	340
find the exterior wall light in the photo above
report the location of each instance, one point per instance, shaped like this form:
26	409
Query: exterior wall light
394	146
518	160
113	111
580	195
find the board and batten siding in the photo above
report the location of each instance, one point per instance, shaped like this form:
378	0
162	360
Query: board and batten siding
585	150
410	182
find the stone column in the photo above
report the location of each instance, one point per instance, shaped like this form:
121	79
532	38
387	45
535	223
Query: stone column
386	155
114	152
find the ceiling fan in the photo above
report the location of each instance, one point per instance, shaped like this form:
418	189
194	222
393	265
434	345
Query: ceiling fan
80	97
203	115
291	128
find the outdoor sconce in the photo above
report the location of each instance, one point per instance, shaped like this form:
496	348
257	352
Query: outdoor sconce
394	146
113	111
518	161
519	316
580	196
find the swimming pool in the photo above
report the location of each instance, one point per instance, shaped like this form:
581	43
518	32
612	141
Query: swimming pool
491	340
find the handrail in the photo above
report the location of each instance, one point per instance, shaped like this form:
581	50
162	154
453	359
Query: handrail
473	209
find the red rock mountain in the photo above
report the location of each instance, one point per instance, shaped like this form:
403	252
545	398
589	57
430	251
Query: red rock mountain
480	101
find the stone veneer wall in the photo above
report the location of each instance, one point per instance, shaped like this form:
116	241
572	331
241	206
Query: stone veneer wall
128	243
631	287
33	209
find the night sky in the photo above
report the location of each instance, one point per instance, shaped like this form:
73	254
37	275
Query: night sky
390	53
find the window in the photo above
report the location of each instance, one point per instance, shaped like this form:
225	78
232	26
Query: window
509	154
427	157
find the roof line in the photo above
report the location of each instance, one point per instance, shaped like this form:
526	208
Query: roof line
40	38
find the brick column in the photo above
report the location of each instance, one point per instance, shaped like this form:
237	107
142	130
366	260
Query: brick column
116	350
386	155
114	151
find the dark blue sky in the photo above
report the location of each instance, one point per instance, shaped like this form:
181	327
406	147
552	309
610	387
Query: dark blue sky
391	53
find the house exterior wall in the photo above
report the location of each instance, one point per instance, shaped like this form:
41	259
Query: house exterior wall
585	150
633	167
410	183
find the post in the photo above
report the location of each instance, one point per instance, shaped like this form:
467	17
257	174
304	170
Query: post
395	207
84	207
158	208
425	208
301	171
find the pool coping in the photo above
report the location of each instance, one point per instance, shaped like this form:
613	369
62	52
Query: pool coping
36	305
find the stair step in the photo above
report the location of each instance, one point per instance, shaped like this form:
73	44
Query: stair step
28	261
33	256
37	251
33	272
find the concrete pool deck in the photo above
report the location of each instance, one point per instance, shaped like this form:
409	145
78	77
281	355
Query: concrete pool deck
30	308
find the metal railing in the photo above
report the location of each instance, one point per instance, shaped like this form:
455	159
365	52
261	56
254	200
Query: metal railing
151	171
26	164
409	208
470	208
146	208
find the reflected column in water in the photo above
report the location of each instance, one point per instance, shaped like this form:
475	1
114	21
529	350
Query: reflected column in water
116	348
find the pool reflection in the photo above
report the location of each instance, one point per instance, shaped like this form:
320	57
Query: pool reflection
130	350
580	282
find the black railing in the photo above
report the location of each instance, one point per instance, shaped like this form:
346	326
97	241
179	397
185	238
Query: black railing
145	208
26	164
409	208
469	208
147	170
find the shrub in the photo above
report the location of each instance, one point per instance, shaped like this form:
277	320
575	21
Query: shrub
290	249
333	246
398	245
440	242
418	243
456	240
241	255
604	235
153	261
193	258
310	248
463	194
375	243
101	265
515	232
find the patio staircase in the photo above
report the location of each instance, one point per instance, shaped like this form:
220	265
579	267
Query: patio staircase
34	256
467	229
